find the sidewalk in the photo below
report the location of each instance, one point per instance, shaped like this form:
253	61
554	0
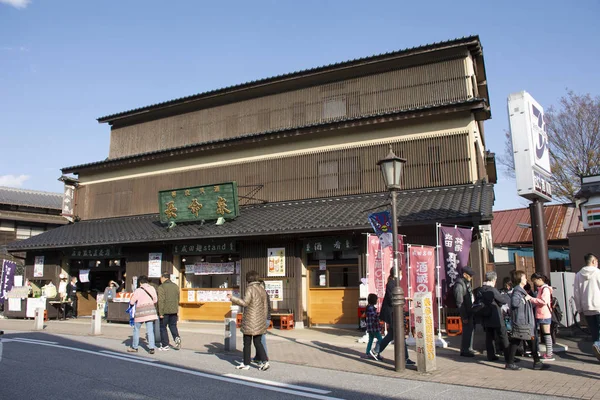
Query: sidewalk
574	374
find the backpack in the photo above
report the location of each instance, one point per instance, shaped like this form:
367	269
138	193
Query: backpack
479	308
555	309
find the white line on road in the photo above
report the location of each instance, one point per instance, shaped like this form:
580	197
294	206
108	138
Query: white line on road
222	378
279	384
34	340
128	356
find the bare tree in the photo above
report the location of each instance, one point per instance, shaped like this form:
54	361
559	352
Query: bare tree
574	142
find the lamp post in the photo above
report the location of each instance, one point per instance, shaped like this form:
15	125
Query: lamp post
391	169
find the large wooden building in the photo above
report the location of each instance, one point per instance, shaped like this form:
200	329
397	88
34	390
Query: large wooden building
303	149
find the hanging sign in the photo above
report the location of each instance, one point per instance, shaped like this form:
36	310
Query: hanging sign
38	267
328	244
217	247
8	278
154	265
95	253
421	267
276	261
84	275
380	263
199	203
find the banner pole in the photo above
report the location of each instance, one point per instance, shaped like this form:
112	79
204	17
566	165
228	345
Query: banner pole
439	342
410	341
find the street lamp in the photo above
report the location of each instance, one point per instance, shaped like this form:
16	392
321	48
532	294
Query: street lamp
391	168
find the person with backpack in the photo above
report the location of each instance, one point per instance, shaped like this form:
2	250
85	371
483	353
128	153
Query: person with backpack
488	308
587	297
543	312
463	293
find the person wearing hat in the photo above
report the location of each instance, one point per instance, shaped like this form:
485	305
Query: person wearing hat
62	287
463	293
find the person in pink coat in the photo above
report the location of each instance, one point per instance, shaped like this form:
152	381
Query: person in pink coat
543	312
144	298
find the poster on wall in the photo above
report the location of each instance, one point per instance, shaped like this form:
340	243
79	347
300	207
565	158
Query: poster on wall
84	275
322	265
38	267
276	261
154	265
274	290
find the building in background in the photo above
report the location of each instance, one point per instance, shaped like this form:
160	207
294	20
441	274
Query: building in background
513	246
588	241
297	155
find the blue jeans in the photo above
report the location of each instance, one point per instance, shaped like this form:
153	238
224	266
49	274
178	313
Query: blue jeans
373	335
593	322
388	338
136	334
263	339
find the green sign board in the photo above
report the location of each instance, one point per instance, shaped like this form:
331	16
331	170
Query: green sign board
95	253
199	203
199	248
328	244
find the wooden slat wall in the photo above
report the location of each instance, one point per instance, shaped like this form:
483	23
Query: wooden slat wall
137	264
432	161
254	258
413	87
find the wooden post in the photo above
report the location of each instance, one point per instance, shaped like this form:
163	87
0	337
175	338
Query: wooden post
425	336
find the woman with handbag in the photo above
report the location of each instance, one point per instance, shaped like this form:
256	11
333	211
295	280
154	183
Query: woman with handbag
145	299
523	323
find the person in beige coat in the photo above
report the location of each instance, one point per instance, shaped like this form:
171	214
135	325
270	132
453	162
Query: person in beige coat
253	321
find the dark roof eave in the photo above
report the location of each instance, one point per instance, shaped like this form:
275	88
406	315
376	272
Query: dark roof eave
465	41
474	103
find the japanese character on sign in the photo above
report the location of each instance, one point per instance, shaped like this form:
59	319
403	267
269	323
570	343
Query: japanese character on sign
222	206
422	279
421	267
318	246
337	245
202	191
458	244
187	192
217	189
448	240
173	194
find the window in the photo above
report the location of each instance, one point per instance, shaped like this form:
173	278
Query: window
328	175
334	108
25	232
335	277
7	226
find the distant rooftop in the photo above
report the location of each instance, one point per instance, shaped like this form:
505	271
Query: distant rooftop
30	198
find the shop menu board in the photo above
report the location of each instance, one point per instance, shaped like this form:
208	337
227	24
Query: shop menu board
33	304
207	295
154	265
207	268
274	290
276	261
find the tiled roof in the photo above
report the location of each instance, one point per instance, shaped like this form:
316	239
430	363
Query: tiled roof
30	198
185	149
456	204
470	40
33	217
561	219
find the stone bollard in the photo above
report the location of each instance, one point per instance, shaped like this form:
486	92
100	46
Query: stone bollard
96	323
38	324
230	334
425	340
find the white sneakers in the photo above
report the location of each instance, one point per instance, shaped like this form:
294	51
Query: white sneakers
177	343
263	367
243	366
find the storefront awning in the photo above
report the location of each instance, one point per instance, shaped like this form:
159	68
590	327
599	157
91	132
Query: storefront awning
464	204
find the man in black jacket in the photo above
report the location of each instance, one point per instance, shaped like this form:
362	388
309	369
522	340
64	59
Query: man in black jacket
463	293
492	320
72	295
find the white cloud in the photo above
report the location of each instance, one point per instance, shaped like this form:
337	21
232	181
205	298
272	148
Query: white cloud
13	180
16	3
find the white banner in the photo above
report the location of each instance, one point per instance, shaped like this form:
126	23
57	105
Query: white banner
274	290
38	267
154	265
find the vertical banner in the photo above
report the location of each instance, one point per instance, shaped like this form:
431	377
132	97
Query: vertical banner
421	260
455	246
276	261
379	263
38	267
8	278
154	265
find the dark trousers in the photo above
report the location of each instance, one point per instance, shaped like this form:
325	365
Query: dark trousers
490	339
466	341
388	338
514	343
71	309
260	350
593	322
169	320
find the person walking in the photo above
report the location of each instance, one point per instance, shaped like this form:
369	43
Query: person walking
587	297
523	323
263	339
373	327
168	307
72	296
253	320
145	299
492	319
387	315
543	311
463	293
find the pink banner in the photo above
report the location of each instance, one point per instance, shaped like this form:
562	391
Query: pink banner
379	264
422	273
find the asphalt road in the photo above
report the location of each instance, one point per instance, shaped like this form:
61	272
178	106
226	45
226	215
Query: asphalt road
38	365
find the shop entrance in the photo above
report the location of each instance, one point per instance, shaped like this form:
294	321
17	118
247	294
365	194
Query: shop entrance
93	277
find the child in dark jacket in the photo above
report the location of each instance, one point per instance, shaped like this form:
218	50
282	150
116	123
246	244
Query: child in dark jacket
373	327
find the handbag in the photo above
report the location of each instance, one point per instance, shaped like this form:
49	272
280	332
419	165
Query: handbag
521	332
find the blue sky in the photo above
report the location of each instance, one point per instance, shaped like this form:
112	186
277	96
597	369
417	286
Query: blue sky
65	63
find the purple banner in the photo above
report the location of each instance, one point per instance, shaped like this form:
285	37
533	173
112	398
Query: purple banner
455	244
381	222
8	278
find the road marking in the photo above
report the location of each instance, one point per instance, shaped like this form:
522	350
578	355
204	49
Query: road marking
222	378
34	340
279	384
129	356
